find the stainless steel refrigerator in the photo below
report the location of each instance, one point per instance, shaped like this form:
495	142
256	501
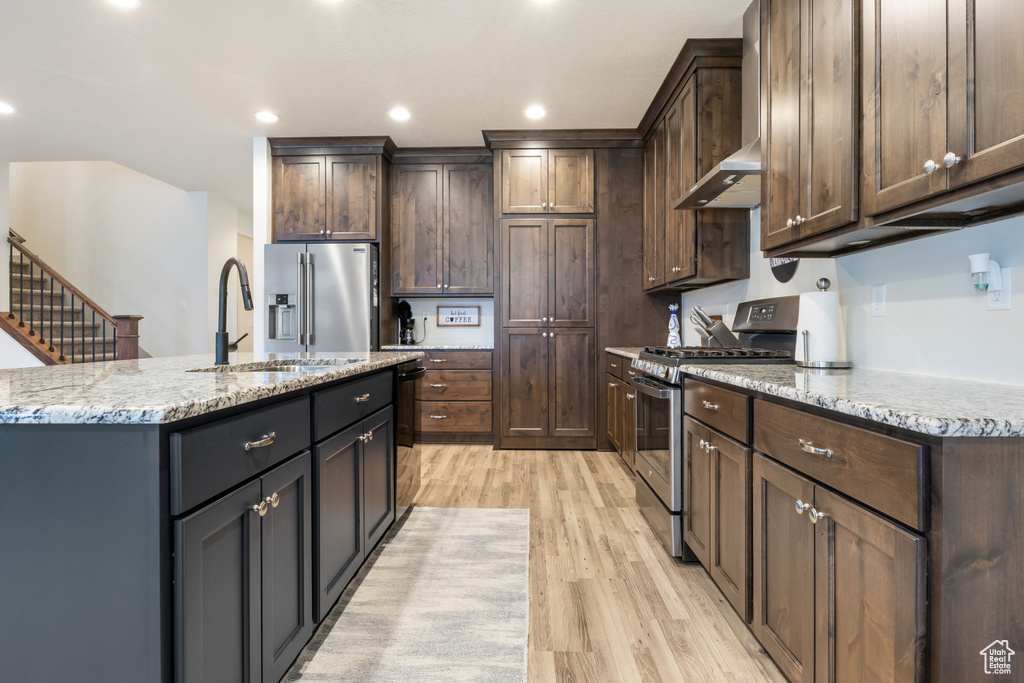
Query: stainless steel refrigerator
321	297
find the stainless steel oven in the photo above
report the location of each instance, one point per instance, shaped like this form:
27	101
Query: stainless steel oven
659	465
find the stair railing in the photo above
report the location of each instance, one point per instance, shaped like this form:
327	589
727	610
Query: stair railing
124	329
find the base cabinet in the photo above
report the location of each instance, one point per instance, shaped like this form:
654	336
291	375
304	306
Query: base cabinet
243	580
621	419
839	591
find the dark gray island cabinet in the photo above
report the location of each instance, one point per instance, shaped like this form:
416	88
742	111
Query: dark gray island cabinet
199	551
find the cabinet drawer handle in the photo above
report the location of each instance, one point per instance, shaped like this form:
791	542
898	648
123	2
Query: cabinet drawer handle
808	447
815	515
630	396
265	441
273	500
362	399
709	406
613	365
801	506
611	384
930	167
369	435
438	360
438	417
260	509
438	386
789	223
651	279
951	160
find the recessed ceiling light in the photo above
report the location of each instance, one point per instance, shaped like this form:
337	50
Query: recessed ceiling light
267	117
400	114
535	111
126	4
6	108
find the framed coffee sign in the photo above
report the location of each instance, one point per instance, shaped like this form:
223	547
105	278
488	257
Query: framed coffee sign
458	316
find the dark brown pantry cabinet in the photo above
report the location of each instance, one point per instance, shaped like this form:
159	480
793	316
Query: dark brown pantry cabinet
442	230
547	181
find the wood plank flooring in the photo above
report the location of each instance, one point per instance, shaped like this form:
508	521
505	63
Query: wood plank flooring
607	603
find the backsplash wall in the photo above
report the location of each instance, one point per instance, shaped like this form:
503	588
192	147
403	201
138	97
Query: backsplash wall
453	335
935	324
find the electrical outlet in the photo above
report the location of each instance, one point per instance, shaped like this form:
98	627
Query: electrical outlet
183	304
1000	301
878	301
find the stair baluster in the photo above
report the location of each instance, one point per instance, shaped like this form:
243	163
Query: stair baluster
62	358
51	316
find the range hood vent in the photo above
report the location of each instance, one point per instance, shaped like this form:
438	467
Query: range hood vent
736	181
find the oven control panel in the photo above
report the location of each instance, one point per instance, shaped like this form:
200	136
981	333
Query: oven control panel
663	372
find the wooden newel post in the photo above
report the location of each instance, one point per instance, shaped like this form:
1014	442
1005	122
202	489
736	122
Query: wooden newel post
127	337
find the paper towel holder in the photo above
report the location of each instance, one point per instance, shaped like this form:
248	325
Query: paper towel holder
823	285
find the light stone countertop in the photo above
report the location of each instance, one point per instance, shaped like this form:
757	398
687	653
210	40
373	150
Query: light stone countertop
437	347
626	351
161	390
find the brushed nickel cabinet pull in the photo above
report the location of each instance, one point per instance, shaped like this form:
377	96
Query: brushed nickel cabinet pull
709	406
274	500
362	399
808	447
265	441
438	417
438	386
260	509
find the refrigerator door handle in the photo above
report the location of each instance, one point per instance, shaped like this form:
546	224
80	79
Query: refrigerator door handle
300	304
310	321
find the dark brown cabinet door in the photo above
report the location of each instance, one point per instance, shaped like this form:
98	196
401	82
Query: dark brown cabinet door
730	522
678	223
628	436
416	230
468	264
613	415
573	405
572	273
697	490
525	382
525	276
986	91
870	595
654	209
299	198
524	181
904	102
378	475
571	181
352	196
783	540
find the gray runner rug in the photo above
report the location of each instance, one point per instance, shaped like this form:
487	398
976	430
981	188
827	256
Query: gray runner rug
445	597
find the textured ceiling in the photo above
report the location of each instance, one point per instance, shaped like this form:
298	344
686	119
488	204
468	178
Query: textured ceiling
169	89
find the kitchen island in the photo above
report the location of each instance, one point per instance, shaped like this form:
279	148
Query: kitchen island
168	519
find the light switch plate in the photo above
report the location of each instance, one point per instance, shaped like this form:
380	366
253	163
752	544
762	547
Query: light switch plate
1001	300
183	304
878	301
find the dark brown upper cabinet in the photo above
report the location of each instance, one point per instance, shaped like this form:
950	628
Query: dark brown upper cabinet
549	272
809	115
329	188
442	230
547	181
655	210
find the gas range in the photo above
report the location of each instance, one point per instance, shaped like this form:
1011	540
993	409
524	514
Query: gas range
663	362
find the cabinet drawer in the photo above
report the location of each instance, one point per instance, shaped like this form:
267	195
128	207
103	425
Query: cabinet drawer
211	459
457	360
453	416
455	385
337	408
880	471
725	410
616	365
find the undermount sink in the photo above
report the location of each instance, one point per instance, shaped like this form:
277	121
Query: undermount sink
278	366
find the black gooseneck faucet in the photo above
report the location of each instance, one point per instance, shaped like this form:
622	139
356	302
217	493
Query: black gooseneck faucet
222	313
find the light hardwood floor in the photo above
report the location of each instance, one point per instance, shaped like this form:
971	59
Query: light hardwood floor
606	601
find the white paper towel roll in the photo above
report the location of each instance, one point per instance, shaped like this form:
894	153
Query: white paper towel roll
819	316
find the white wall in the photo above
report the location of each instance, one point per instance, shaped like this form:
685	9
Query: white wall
222	243
133	244
261	233
4	223
452	335
935	323
14	355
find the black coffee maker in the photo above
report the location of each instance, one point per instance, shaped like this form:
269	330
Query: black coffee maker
406	323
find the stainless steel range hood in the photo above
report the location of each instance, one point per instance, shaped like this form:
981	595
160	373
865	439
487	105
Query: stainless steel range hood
736	181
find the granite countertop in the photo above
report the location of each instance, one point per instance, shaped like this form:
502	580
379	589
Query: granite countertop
929	405
437	347
160	390
626	351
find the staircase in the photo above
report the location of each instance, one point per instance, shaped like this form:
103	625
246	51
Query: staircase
55	321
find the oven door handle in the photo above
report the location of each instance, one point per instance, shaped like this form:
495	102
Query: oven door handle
649	388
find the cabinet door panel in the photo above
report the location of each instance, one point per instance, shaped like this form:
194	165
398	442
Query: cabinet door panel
696	491
468	229
783	569
905	83
679	146
524	181
571	181
571	253
870	595
287	558
299	197
524	382
416	236
730	522
780	112
613	416
524	262
654	209
339	504
628	436
217	591
986	91
352	187
573	399
378	476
